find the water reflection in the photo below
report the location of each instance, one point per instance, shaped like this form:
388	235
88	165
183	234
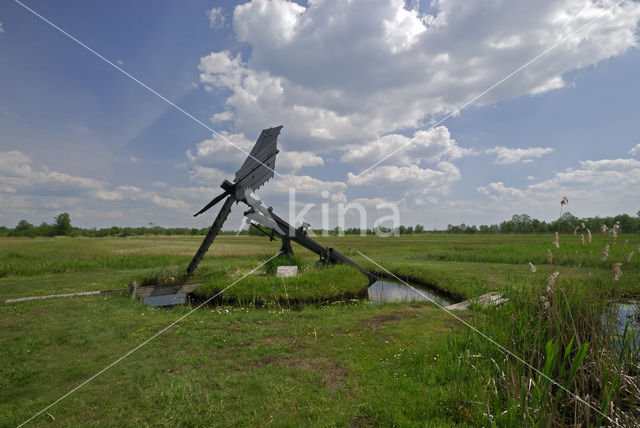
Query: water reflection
388	291
628	311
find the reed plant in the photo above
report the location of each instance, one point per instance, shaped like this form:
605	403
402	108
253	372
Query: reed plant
565	328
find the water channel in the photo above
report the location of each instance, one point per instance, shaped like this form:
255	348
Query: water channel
389	291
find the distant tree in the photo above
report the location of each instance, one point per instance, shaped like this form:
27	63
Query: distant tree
45	230
627	223
566	223
420	228
471	229
522	223
23	226
62	225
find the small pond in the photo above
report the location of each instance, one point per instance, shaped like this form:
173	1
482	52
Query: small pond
625	311
389	291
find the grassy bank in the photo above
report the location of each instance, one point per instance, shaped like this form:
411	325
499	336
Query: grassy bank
312	286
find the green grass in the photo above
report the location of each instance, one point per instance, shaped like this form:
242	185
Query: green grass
335	362
332	366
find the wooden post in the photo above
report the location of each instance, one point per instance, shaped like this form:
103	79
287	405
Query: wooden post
211	235
132	289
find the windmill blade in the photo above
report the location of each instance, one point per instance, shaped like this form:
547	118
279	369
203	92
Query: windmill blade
212	203
211	235
259	167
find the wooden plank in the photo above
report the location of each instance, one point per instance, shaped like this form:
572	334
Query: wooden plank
164	289
52	296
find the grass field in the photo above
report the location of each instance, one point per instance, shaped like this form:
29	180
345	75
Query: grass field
313	353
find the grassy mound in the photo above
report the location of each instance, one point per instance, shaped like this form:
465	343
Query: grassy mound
313	285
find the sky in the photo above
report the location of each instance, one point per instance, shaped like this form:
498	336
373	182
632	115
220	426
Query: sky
453	110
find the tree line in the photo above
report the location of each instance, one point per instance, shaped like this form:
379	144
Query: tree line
519	223
566	223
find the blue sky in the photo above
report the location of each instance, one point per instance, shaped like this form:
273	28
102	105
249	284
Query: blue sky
350	82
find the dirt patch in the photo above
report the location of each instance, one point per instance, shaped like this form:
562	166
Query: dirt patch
361	422
382	319
397	314
266	361
275	340
333	374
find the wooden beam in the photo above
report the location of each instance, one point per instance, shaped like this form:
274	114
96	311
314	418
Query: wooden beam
164	289
52	296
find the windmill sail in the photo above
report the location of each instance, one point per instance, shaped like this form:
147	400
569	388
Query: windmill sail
256	170
259	166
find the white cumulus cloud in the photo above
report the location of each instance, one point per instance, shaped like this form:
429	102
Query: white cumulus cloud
432	145
498	190
359	79
409	180
329	71
506	155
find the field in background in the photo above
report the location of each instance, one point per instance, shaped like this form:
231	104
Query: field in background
335	362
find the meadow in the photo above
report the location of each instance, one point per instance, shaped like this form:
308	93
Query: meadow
312	349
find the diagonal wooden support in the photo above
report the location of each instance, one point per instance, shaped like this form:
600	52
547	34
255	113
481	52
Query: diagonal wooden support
211	235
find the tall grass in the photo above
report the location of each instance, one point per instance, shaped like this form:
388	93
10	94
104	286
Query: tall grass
564	328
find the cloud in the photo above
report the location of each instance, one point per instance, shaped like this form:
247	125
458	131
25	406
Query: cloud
216	18
18	176
1	28
263	23
292	162
226	154
635	150
208	176
222	117
431	146
506	156
600	187
14	164
358	85
216	156
400	68
29	189
605	175
498	191
409	180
